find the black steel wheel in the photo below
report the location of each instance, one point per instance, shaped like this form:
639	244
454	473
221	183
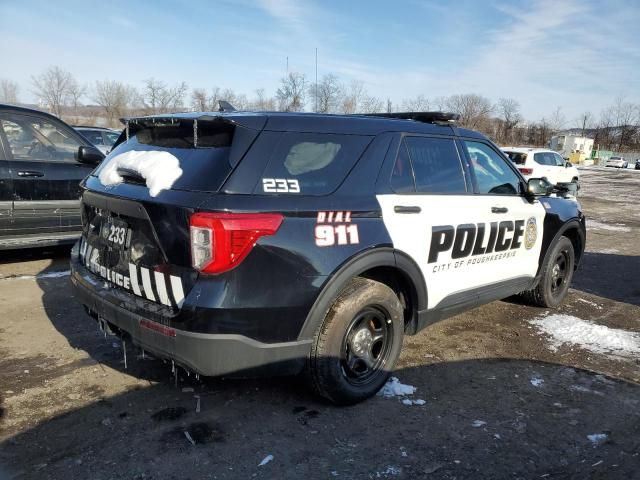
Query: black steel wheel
555	276
356	346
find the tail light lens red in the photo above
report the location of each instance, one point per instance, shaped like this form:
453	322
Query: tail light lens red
526	171
220	241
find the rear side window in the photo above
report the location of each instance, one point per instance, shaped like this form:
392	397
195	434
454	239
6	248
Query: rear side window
204	162
436	165
308	163
519	158
545	158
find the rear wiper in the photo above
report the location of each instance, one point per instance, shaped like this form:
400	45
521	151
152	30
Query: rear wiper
131	176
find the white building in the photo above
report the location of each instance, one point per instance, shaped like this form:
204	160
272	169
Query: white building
567	144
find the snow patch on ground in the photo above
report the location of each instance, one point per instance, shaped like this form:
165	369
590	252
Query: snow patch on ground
570	330
63	273
536	381
393	388
589	302
478	423
605	250
159	169
265	460
595	225
597	438
408	401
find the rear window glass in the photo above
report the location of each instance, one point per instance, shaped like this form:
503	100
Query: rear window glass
519	158
308	163
204	163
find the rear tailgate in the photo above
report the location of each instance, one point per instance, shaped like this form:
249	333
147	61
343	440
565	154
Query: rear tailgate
137	239
140	247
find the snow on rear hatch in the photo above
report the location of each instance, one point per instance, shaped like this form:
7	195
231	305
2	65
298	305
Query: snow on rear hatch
160	169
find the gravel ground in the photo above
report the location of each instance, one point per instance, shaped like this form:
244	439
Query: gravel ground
505	394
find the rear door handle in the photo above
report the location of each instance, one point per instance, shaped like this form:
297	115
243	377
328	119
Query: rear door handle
499	209
30	173
405	209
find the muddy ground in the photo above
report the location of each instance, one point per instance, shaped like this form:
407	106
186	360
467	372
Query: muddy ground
500	401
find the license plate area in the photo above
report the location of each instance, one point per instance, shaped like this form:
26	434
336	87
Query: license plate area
116	233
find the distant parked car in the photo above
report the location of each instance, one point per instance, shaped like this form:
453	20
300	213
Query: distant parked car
102	138
542	163
42	160
617	162
638	164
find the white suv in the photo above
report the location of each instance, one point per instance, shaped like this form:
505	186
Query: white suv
542	163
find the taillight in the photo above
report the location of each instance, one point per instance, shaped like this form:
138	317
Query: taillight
220	241
526	171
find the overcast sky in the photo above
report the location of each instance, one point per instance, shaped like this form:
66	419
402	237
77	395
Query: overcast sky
578	54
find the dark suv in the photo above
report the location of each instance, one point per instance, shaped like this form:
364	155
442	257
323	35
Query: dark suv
42	161
242	243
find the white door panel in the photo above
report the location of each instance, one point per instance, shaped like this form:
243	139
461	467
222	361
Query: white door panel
460	244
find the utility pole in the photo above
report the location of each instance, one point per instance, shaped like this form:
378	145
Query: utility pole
287	65
316	95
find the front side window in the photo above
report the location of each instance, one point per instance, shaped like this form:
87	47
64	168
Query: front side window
36	139
308	163
493	175
559	160
436	165
110	138
94	136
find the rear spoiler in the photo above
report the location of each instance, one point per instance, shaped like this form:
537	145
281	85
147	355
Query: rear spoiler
247	127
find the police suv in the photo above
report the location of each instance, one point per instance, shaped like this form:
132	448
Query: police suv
275	243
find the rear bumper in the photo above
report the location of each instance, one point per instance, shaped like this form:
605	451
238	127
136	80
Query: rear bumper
203	353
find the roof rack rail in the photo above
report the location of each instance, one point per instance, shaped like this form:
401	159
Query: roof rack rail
424	117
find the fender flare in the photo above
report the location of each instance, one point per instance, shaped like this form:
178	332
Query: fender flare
354	266
573	223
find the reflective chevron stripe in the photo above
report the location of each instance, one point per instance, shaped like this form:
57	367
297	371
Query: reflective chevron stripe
178	293
162	288
135	282
146	284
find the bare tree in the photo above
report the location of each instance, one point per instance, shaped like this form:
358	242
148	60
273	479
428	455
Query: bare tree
262	102
509	112
626	117
8	91
473	109
585	120
353	96
370	104
159	98
557	120
199	99
115	98
291	94
53	88
327	95
417	104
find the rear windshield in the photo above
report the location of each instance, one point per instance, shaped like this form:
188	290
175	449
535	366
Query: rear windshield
307	163
204	163
519	158
615	158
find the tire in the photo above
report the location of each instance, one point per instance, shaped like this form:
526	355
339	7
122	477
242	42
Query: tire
555	277
347	364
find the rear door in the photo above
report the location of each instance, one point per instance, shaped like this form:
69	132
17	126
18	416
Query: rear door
45	173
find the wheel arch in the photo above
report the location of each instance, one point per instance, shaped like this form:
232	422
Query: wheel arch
386	265
574	230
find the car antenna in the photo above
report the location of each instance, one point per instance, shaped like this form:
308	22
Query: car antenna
226	106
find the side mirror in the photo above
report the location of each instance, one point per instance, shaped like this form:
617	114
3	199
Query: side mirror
89	155
538	187
568	164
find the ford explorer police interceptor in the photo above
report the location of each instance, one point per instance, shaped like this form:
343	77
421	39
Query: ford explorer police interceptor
242	243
